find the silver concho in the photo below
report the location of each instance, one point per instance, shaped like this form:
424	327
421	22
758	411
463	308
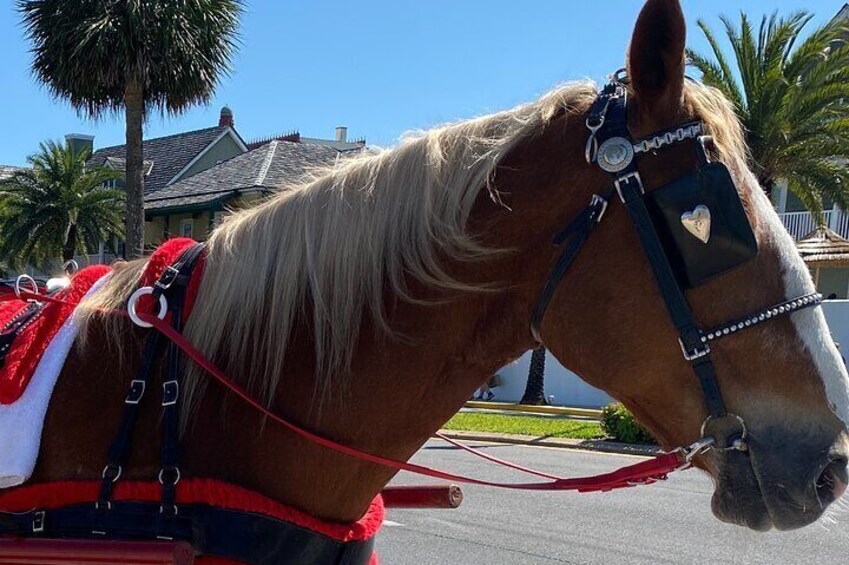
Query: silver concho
615	154
697	222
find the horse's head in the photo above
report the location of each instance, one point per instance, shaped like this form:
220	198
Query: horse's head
784	377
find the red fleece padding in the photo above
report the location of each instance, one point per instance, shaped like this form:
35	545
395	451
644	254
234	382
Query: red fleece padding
165	255
191	491
29	346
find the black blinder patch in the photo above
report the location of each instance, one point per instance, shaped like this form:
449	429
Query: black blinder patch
702	224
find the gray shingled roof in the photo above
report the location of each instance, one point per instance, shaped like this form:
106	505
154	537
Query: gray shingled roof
267	167
166	156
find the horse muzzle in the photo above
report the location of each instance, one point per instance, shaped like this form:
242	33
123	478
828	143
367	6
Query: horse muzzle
783	481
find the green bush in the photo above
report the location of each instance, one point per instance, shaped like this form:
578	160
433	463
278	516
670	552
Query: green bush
618	423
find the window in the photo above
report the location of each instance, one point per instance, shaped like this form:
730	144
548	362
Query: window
187	228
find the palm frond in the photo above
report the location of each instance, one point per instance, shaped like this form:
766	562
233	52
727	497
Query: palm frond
793	99
59	195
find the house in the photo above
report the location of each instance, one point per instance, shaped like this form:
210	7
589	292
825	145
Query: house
192	177
191	207
174	157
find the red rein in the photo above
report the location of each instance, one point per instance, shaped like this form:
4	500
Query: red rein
644	472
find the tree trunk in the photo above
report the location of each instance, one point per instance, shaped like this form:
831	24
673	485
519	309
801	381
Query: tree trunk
535	389
70	247
134	108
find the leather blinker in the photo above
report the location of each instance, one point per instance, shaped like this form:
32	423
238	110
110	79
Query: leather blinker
703	225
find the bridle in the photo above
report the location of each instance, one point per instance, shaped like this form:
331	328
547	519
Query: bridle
611	148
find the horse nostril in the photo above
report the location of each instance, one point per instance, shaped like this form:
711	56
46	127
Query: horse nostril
831	484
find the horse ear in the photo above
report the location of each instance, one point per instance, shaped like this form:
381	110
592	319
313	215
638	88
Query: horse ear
656	56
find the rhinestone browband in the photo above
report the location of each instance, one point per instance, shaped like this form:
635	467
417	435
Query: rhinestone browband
788	307
688	131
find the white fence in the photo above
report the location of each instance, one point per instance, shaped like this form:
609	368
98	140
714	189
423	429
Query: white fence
569	390
800	224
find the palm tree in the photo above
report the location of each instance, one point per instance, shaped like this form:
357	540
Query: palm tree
58	206
535	387
105	55
792	95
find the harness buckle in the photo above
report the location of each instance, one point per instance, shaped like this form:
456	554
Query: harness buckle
624	179
696	353
112	472
136	391
38	522
169	475
168	277
597	201
170	393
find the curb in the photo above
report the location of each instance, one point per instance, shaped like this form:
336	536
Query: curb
512	407
600	445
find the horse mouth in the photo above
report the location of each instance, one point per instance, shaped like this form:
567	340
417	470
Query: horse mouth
762	494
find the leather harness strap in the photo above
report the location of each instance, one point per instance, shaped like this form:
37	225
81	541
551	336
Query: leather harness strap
576	234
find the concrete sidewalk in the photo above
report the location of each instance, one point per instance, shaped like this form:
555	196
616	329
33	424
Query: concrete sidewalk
586	444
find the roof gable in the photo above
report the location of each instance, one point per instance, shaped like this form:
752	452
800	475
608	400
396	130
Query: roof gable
165	157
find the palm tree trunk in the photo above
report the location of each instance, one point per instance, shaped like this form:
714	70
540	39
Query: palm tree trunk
134	108
535	389
70	247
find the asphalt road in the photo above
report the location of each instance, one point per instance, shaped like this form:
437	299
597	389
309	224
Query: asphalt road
668	522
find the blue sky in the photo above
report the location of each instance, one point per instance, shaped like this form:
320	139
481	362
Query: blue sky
380	67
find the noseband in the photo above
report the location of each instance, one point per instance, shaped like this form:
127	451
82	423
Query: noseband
676	240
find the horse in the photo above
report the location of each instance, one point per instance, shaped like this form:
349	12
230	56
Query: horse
368	303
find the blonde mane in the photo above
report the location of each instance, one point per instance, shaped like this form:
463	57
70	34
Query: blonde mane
327	251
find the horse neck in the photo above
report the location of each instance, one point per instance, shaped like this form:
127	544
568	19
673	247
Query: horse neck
402	388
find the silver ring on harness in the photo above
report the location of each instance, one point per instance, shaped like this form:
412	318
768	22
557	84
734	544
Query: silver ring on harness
739	442
134	298
30	282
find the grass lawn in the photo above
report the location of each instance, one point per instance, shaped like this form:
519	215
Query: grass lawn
537	426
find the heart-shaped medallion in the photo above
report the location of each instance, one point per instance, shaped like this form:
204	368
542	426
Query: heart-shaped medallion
697	222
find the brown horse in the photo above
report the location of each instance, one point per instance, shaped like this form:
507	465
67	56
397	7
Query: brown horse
370	302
